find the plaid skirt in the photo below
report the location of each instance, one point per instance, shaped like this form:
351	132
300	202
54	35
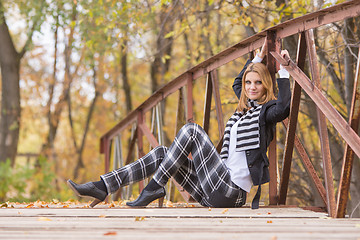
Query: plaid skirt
205	177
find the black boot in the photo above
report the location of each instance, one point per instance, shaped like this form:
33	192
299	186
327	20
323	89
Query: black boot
88	189
147	196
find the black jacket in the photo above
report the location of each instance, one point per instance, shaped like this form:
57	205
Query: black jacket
271	112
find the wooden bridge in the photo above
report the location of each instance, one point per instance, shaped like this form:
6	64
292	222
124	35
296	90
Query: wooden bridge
301	27
116	221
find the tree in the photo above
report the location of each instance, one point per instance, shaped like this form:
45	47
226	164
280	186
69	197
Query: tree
10	60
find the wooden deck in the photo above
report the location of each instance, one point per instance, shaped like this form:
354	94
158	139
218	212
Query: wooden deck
191	222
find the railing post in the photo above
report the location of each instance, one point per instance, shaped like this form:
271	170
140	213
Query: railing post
140	121
207	104
291	126
354	115
220	117
324	138
274	44
189	107
106	143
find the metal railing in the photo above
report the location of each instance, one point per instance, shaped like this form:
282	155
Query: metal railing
302	27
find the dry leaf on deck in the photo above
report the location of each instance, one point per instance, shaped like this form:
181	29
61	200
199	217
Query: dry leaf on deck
225	210
139	218
44	219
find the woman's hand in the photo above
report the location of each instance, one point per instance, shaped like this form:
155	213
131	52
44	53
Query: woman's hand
264	50
284	53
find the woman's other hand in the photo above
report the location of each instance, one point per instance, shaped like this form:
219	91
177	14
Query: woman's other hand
264	50
284	53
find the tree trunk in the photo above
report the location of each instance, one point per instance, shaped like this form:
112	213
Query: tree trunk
349	60
162	58
10	93
124	72
80	150
54	116
47	149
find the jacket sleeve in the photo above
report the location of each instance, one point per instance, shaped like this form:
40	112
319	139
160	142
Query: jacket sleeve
281	109
237	85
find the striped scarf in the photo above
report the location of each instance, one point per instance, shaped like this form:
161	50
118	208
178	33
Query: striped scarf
248	136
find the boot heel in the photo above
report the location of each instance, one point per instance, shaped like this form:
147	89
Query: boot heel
161	202
95	202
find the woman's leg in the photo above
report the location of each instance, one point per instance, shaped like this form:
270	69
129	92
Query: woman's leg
140	169
201	176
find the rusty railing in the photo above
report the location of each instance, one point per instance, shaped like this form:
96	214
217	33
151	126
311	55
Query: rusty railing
303	27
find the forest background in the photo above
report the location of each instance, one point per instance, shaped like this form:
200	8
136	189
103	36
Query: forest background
72	69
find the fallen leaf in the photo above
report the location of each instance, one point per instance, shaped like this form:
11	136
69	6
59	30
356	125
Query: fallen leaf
225	210
139	219
44	219
4	205
112	205
102	216
209	208
110	233
269	212
30	205
269	221
274	238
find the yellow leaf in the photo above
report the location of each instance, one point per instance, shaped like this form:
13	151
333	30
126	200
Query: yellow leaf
4	205
44	219
139	219
225	210
170	34
30	205
102	216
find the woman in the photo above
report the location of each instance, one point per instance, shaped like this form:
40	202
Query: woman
212	179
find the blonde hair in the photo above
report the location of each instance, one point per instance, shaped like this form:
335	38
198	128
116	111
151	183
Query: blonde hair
267	82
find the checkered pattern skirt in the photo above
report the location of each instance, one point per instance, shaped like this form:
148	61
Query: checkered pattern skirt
205	177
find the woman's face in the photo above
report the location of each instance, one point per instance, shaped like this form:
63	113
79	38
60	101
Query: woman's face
253	86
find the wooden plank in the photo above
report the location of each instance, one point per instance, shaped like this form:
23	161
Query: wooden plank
173	223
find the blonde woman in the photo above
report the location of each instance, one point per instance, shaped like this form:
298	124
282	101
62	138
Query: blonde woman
212	179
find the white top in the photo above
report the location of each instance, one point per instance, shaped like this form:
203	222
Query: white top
237	164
